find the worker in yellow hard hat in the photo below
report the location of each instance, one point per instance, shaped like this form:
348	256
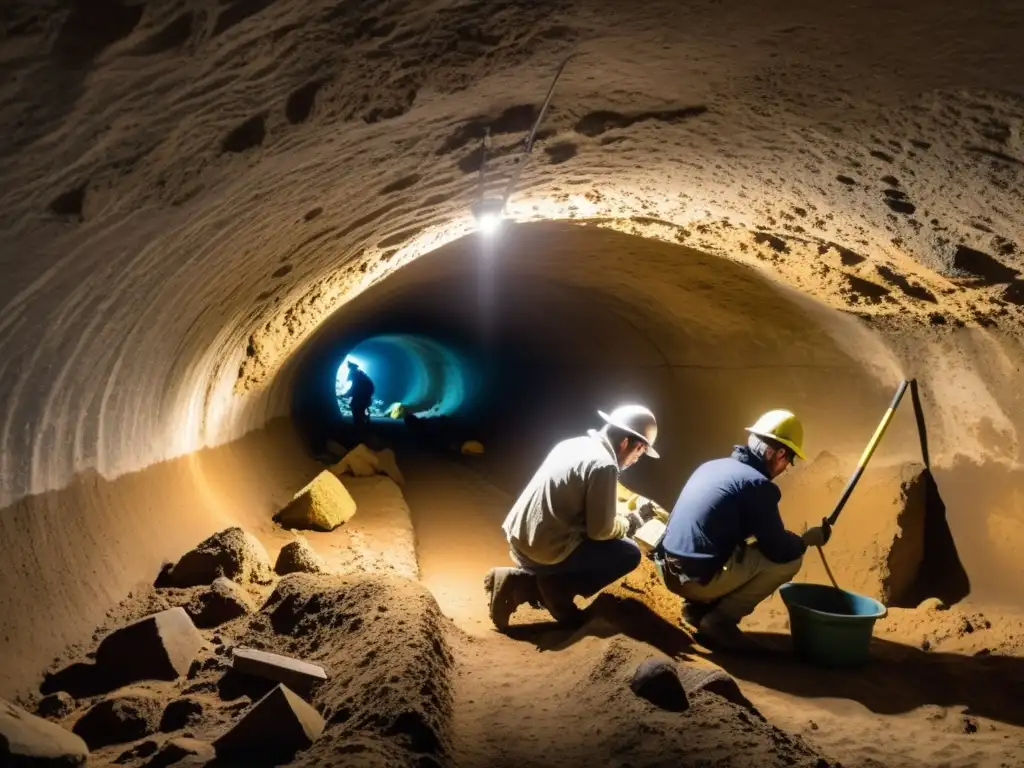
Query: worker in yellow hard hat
565	532
705	555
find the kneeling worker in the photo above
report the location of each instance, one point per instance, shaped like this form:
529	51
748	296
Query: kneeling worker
705	557
564	531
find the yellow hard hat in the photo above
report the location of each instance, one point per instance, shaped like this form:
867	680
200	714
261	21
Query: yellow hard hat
782	427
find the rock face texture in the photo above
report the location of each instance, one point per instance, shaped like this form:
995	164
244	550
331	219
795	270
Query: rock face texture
705	189
878	545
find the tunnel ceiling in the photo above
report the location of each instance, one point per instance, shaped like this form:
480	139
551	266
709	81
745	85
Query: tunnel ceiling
190	189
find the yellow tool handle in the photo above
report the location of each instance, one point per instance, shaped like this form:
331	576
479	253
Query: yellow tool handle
868	452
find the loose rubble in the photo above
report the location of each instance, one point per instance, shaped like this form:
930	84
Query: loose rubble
183	753
57	705
130	715
224	601
299	557
181	714
232	553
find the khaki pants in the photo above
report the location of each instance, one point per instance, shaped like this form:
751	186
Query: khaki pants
739	585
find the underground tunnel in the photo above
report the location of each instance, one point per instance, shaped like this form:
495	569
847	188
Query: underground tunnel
210	207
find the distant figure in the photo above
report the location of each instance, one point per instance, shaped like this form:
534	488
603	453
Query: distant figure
704	556
360	394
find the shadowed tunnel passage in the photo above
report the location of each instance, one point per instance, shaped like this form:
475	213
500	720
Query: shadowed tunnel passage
205	207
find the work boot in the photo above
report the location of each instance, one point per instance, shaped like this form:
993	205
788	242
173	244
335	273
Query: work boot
693	612
556	594
723	632
508	588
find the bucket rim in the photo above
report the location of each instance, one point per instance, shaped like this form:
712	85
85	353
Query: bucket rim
881	610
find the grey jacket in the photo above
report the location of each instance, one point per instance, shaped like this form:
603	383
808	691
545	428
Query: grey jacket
571	496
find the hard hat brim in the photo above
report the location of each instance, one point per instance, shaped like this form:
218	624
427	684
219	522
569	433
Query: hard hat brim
788	443
650	448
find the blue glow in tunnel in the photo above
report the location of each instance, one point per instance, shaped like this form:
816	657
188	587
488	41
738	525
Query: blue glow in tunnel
428	377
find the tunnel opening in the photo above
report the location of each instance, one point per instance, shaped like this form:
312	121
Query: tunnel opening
555	320
411	373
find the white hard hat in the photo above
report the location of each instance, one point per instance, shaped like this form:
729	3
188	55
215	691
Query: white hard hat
637	421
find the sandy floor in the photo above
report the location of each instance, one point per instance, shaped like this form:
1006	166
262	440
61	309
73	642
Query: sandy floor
909	709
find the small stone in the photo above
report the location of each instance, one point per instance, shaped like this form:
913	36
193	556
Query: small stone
130	715
29	740
658	682
232	553
224	601
277	726
322	505
299	676
970	725
57	705
180	714
139	751
299	557
161	646
183	752
932	604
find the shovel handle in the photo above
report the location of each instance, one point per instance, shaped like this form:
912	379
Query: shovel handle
869	451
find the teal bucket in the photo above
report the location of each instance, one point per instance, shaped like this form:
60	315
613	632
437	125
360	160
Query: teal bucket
830	627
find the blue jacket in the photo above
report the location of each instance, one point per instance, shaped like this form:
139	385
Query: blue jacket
724	502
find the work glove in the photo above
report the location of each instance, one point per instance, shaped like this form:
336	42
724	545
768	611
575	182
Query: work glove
634	523
819	535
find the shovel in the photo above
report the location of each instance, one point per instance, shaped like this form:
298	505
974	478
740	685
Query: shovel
865	457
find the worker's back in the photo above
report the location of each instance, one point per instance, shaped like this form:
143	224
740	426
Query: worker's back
362	385
549	519
724	502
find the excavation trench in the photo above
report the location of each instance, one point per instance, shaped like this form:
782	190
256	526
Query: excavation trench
550	322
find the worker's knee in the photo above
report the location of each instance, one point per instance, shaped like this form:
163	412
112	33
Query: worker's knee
627	556
786	571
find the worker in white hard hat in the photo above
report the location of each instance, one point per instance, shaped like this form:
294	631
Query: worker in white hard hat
564	532
706	555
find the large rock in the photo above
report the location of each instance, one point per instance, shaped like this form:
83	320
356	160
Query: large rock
877	545
128	716
299	676
359	462
299	557
232	553
322	505
222	602
277	726
159	647
657	681
27	740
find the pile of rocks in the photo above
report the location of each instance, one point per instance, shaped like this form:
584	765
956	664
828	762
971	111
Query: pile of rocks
123	695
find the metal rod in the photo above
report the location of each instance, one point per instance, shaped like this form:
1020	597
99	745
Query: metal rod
528	144
868	452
